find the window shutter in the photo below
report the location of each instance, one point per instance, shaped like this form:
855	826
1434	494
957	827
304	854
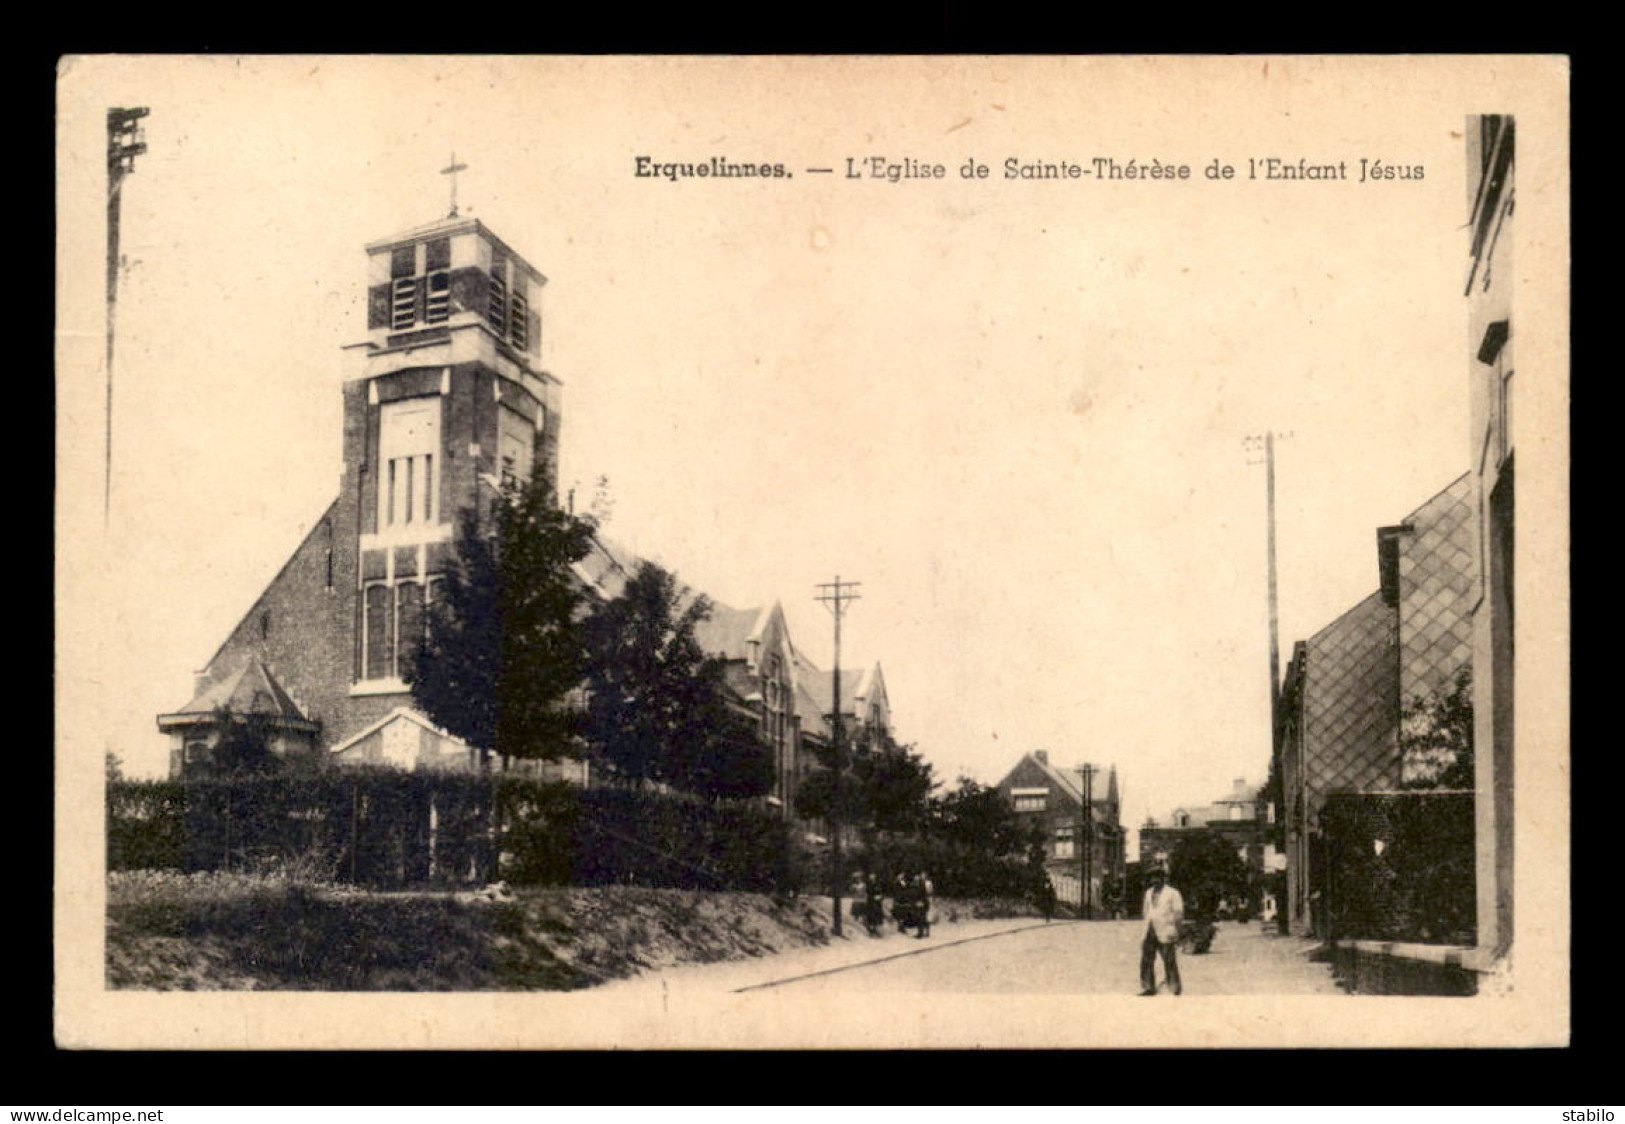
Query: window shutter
496	309
402	302
438	310
518	319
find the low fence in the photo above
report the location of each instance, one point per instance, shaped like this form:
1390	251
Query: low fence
1399	866
390	830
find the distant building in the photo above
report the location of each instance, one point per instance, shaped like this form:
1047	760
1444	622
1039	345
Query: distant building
1490	189
759	673
766	679
1053	797
1242	817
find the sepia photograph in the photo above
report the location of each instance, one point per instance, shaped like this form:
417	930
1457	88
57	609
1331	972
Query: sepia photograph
812	552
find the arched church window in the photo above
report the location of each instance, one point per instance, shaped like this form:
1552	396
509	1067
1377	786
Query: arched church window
378	655
409	614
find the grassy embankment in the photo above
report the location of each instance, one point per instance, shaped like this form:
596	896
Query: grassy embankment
171	931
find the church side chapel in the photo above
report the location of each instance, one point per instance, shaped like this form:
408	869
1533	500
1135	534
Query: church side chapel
446	400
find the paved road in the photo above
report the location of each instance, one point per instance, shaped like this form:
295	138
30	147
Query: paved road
1101	957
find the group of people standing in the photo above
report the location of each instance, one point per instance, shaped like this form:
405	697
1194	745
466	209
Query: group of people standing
911	903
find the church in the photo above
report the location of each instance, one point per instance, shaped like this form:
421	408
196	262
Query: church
445	399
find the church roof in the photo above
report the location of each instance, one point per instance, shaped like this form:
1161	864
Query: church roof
607	567
251	689
821	688
1071	781
728	630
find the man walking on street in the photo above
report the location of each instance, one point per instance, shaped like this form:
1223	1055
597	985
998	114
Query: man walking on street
1164	910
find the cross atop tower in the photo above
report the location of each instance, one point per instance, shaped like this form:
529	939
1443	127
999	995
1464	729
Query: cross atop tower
451	170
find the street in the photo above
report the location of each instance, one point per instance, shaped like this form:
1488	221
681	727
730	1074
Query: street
1020	955
1100	957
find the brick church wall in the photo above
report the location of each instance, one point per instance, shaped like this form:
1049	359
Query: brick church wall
303	627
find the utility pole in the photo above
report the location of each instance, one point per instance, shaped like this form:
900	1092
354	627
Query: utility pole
1086	844
1253	444
837	596
124	143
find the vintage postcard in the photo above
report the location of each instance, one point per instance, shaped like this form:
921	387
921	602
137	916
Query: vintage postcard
813	552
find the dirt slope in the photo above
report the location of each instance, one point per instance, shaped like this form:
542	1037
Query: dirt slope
212	932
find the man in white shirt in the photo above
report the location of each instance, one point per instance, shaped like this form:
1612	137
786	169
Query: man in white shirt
1164	910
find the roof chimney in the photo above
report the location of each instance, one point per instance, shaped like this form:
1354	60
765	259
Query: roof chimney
1042	755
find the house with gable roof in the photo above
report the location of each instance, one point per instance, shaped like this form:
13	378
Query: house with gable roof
759	675
1052	798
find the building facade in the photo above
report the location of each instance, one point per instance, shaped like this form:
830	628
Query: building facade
1346	688
445	401
1491	195
1242	817
1079	849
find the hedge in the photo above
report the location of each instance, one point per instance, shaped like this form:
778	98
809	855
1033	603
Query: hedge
391	829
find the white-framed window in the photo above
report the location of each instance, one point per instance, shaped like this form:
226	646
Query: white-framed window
1030	802
408	438
1065	843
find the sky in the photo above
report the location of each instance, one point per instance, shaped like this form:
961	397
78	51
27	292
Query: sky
1013	410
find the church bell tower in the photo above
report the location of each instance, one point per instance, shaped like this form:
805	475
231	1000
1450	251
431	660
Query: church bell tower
449	401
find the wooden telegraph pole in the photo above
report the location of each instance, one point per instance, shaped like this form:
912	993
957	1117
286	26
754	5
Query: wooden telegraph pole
837	596
124	144
1267	443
